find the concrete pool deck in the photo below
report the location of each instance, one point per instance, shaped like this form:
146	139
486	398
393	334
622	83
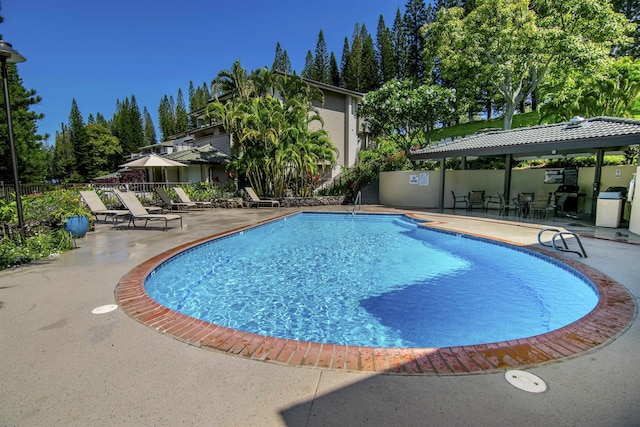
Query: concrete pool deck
62	365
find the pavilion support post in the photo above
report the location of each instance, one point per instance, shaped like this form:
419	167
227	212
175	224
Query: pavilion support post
507	177
596	181
441	195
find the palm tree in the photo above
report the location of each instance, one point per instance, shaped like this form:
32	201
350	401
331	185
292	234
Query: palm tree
234	82
275	148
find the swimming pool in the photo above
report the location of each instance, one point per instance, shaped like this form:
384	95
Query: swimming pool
371	280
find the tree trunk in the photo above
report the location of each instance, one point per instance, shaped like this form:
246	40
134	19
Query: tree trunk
510	108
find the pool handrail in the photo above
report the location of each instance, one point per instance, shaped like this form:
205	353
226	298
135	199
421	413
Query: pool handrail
561	234
358	203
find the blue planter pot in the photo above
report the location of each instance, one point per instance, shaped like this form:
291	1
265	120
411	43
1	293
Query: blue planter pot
77	225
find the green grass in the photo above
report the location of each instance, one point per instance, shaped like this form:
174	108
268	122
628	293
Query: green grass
519	120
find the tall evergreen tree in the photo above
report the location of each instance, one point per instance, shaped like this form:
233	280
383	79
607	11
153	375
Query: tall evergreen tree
307	70
101	120
286	63
30	151
127	125
320	69
137	129
166	117
384	52
80	142
344	62
414	18
353	76
281	61
198	98
400	47
369	69
334	72
149	128
182	118
64	158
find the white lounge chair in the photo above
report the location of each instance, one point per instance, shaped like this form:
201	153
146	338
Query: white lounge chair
184	198
97	207
257	201
137	211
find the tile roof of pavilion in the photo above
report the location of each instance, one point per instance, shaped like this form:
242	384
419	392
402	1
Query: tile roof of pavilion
608	133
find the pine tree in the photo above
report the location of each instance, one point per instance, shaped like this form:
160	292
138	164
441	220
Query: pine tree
64	158
182	118
198	98
334	72
127	125
320	69
278	60
400	47
344	62
30	153
384	52
80	142
137	129
370	77
286	63
166	117
149	128
353	76
101	120
307	70
414	18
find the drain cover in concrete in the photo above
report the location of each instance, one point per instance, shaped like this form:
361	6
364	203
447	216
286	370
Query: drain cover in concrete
104	309
525	381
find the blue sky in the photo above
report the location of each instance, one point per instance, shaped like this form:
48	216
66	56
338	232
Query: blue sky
101	51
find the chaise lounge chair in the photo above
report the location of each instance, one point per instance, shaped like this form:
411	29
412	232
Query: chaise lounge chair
170	204
184	198
257	201
97	207
137	211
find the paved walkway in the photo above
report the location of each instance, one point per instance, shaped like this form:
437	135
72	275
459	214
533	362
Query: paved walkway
62	365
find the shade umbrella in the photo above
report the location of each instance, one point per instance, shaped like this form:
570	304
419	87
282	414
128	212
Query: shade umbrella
152	161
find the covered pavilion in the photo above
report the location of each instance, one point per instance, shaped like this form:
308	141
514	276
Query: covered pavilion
579	137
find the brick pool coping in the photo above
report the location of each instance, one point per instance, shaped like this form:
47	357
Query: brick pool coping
613	314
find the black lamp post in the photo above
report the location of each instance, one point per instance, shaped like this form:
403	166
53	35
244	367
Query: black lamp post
9	54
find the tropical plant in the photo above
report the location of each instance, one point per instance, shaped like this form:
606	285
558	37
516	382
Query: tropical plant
405	111
278	141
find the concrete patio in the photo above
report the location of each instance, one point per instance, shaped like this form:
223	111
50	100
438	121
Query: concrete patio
62	365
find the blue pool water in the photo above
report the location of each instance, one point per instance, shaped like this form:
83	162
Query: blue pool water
370	280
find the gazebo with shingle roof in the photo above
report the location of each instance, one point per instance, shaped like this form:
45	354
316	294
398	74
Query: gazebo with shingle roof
578	137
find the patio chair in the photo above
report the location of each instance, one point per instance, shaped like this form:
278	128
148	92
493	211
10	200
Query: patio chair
459	199
137	211
476	198
170	204
503	205
97	207
257	201
523	204
184	198
540	207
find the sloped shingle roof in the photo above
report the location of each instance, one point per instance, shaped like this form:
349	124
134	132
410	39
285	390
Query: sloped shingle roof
588	135
198	155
